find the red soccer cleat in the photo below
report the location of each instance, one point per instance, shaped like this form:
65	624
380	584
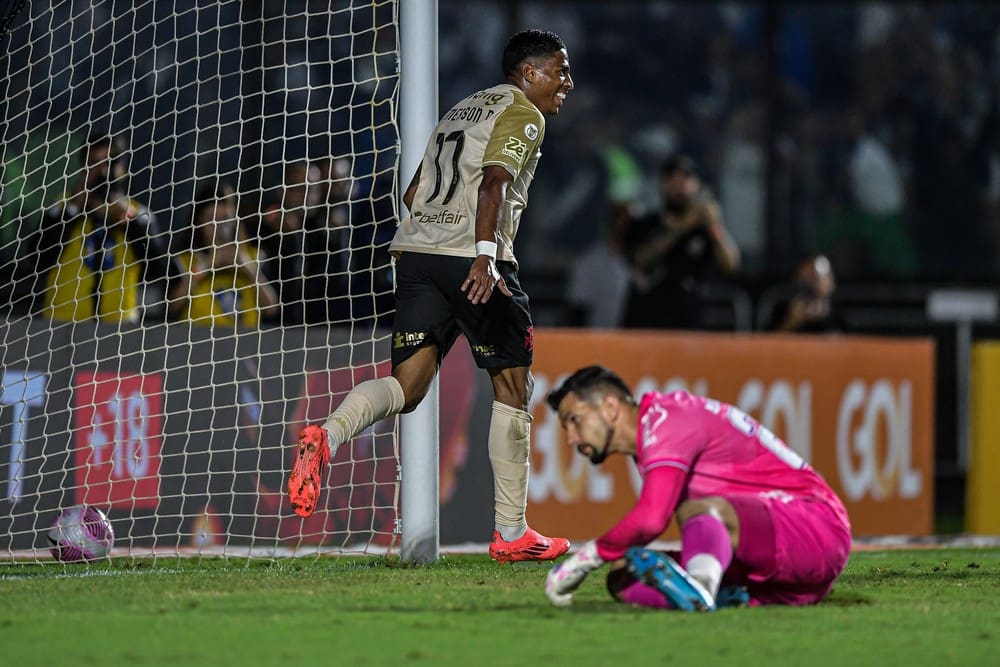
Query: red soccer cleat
303	484
530	546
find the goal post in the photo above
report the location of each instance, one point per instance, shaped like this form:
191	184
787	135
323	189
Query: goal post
418	116
168	327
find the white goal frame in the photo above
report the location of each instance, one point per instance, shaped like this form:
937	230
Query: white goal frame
420	507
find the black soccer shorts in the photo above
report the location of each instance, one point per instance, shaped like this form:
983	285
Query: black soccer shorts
431	308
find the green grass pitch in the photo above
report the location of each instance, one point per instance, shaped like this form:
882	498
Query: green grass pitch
899	607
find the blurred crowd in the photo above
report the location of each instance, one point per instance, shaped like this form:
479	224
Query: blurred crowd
869	133
867	136
303	253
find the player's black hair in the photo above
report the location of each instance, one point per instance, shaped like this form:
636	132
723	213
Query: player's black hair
529	44
587	383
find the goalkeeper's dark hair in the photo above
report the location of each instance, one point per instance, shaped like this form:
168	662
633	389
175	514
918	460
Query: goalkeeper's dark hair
590	384
529	44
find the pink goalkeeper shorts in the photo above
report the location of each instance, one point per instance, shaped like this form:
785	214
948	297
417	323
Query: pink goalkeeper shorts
791	548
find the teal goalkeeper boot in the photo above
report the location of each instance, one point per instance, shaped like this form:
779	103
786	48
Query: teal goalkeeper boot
732	596
664	574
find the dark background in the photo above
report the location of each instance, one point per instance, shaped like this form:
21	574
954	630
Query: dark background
790	109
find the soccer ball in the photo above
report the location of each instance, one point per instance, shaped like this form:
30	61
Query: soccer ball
81	533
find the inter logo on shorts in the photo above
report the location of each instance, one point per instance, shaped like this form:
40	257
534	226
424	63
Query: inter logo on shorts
408	339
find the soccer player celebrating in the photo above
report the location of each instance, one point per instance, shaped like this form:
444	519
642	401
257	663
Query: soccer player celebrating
453	251
758	525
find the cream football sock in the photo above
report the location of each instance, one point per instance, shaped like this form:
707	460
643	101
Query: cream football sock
367	403
509	444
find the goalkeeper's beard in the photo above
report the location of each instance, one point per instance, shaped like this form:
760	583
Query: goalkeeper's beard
597	458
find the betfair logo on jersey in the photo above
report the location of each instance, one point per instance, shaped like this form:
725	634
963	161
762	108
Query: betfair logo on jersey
408	339
516	149
441	218
484	350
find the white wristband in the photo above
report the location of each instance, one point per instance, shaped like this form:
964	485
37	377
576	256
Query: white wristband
486	248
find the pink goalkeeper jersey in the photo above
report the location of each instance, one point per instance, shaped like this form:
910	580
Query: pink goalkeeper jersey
723	450
691	447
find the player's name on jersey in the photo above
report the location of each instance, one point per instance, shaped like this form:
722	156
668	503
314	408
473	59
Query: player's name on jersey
442	217
487	97
471	114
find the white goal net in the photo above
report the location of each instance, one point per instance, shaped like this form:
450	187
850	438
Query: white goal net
196	203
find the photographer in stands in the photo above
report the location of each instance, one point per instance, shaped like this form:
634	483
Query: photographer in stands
99	247
810	307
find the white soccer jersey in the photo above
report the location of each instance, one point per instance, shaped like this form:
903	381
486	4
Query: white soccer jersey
496	126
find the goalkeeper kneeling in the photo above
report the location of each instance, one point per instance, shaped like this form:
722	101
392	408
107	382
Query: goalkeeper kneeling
758	524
